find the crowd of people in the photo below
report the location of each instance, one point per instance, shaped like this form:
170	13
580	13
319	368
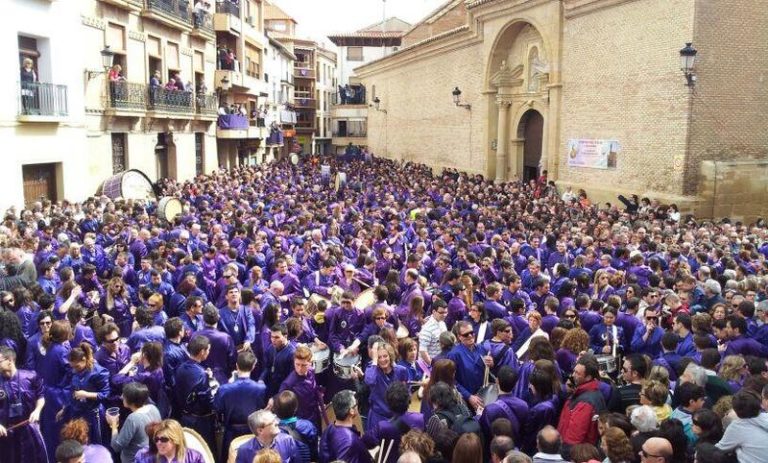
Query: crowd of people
406	316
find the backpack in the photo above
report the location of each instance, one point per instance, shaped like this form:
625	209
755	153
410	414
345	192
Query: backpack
460	424
305	452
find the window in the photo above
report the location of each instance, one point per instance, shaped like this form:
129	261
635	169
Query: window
278	25
354	53
119	162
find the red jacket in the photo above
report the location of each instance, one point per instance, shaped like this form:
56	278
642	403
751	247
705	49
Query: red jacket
578	420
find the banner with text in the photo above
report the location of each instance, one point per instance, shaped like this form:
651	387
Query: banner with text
595	154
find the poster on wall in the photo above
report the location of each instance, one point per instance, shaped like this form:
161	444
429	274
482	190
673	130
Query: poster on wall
594	154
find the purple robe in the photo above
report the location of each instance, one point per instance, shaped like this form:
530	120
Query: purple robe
343	443
56	373
223	355
378	382
388	429
506	406
192	456
121	313
24	444
283	444
541	413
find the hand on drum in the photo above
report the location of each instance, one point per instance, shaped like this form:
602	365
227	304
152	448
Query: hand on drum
475	401
488	361
607	349
358	371
320	345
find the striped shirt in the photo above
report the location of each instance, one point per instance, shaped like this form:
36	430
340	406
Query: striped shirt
429	337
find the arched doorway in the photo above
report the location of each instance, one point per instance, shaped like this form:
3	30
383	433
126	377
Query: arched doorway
161	156
531	130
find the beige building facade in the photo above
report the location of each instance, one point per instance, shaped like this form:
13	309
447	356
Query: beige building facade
590	90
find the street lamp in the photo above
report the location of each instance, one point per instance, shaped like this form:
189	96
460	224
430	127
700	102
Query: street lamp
457	99
687	63
376	104
106	63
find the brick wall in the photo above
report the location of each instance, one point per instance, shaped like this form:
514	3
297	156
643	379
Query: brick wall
455	17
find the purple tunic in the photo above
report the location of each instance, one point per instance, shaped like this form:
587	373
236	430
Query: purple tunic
343	443
24	444
306	390
283	444
56	373
192	456
378	382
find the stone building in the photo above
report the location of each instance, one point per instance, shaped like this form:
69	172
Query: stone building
590	90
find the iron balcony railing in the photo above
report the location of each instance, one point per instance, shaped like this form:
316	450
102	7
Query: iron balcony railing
175	8
349	133
356	96
305	102
127	95
228	6
207	104
161	99
43	99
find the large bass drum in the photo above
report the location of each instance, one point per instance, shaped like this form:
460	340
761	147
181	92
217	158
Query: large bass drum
168	208
195	441
129	184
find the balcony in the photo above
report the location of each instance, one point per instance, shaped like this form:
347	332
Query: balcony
305	102
227	17
353	95
202	25
305	126
235	78
126	98
42	102
303	73
173	13
170	101
207	106
134	5
349	133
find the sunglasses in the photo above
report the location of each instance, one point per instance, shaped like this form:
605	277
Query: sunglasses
163	439
45	323
111	341
466	335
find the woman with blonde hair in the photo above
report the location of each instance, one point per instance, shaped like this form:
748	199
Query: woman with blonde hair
617	446
654	394
601	288
90	390
378	376
733	370
267	456
116	306
167	444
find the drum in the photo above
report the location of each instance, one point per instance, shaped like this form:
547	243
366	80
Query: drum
294	159
607	363
312	303
237	442
168	208
343	366
365	299
402	332
321	359
129	184
195	441
488	394
341	180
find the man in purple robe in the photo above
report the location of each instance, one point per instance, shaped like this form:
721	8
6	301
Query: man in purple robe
222	357
21	398
506	405
266	434
341	440
303	383
291	283
278	362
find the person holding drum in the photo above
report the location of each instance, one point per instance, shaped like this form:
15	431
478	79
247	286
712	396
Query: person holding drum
308	335
346	325
606	338
321	281
382	372
471	361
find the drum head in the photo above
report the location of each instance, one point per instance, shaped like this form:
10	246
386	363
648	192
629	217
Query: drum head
365	299
196	442
294	159
489	393
347	360
169	208
402	332
237	442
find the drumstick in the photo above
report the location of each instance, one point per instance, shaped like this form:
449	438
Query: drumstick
18	425
389	449
361	282
381	452
485	378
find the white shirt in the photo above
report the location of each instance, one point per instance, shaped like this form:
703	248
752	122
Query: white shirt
429	337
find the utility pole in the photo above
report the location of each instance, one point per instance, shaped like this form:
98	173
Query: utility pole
384	25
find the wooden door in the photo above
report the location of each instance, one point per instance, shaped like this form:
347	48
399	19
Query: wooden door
39	182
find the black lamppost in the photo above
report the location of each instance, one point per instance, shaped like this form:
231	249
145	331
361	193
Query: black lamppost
688	62
457	99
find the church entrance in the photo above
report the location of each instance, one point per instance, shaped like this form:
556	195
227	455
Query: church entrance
531	129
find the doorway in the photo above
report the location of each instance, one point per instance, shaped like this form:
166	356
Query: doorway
531	129
161	156
39	182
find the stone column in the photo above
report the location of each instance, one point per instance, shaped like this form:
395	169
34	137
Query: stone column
502	146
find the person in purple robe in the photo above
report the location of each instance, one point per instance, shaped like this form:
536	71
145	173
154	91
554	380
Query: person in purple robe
411	289
147	330
267	434
278	361
382	372
35	350
543	408
499	347
302	381
457	306
341	440
21	399
116	306
146	368
81	332
540	294
506	405
291	283
167	443
223	352
398	398
321	281
607	338
602	288
55	371
90	391
346	325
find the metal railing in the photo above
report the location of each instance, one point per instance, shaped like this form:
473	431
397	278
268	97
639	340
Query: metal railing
161	99
176	8
257	122
357	96
127	95
207	104
303	73
349	133
229	7
42	99
305	102
202	21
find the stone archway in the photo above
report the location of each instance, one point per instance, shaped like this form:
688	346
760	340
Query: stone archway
518	83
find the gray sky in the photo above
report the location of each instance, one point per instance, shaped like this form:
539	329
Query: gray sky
317	18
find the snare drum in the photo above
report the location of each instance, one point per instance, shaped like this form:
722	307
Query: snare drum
365	299
607	363
343	367
195	441
402	331
321	359
312	303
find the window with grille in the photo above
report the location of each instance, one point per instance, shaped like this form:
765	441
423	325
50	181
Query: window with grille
119	163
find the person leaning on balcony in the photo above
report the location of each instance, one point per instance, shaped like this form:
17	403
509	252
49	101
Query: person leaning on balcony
116	82
28	77
154	84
